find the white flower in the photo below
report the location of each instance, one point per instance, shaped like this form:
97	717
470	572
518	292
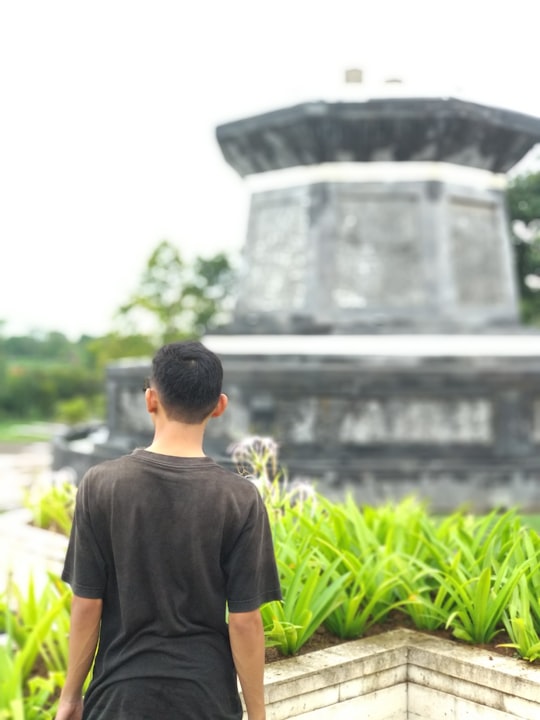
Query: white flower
254	447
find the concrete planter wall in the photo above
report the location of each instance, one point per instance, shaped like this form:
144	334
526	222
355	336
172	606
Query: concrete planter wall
402	675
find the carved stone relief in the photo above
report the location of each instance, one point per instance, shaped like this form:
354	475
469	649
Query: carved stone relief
378	256
371	421
277	258
477	261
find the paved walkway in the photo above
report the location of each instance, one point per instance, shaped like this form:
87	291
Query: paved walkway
22	468
26	550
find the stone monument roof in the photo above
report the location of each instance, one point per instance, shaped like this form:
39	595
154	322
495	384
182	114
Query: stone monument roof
396	129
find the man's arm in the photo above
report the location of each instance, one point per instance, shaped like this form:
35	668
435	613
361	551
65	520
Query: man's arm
246	634
83	640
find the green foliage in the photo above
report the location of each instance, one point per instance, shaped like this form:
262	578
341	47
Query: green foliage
480	602
370	593
459	572
40	701
312	590
11	432
33	660
524	209
423	595
345	567
39	625
53	508
520	625
39	371
115	346
277	633
527	552
53	346
77	409
532	521
33	393
524	197
175	300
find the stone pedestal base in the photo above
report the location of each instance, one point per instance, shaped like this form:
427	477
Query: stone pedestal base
454	419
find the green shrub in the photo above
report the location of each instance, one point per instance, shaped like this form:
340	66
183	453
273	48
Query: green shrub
53	508
34	658
74	410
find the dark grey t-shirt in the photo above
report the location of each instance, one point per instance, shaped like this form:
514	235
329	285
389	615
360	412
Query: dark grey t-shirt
168	543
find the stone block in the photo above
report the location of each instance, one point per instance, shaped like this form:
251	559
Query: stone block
390	704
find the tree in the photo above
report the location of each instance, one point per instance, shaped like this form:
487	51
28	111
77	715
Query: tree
32	392
114	346
211	291
175	300
524	209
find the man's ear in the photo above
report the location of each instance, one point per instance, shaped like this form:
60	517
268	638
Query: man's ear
221	406
151	399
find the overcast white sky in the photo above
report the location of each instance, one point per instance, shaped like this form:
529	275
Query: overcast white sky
109	107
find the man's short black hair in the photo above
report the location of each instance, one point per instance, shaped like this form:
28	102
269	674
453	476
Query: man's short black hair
188	379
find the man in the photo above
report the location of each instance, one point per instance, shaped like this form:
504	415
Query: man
170	558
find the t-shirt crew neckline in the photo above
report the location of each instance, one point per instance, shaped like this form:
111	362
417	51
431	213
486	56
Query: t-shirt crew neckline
171	460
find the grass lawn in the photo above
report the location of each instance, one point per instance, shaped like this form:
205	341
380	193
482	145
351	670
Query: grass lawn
533	521
25	432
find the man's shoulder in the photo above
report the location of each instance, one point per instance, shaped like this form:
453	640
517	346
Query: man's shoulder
233	483
106	469
226	473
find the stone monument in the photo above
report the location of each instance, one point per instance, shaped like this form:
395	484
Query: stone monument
381	215
376	333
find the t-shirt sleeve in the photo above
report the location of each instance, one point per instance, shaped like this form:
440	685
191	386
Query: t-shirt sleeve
84	567
251	572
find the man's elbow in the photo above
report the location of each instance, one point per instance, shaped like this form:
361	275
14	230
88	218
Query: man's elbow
246	623
86	607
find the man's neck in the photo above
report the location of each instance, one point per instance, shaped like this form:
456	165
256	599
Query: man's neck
178	439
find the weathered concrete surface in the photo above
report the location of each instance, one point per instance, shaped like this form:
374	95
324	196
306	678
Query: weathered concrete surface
376	255
402	675
397	129
452	419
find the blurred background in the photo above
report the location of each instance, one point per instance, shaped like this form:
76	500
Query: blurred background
122	224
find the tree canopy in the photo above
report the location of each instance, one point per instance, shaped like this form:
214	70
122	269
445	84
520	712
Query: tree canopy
176	300
524	210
